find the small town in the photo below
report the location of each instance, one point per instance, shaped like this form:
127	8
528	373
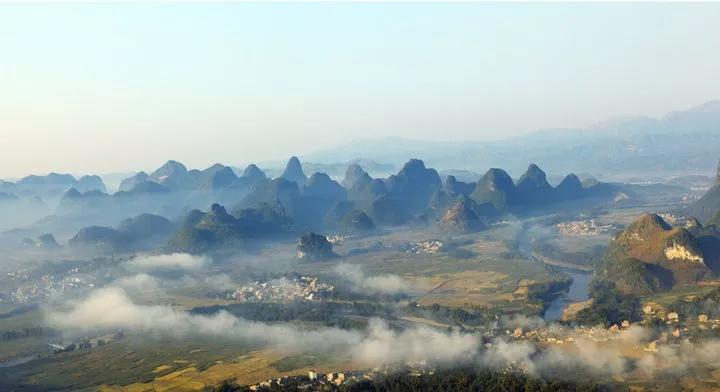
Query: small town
315	381
303	288
677	330
673	219
29	289
588	227
338	238
426	247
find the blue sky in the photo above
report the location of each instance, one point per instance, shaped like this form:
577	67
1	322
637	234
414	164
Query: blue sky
114	87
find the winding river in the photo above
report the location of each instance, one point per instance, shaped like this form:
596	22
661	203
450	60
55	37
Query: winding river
578	290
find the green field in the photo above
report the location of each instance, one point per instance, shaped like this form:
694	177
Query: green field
122	362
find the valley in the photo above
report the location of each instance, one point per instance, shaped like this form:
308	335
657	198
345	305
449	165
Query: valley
413	277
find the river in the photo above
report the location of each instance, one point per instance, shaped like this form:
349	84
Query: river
578	290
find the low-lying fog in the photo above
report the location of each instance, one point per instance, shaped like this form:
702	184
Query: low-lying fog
112	308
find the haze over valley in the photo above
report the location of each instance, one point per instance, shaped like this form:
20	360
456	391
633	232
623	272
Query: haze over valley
416	270
360	197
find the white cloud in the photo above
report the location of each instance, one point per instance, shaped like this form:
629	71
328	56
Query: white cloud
171	262
379	284
138	282
383	345
111	308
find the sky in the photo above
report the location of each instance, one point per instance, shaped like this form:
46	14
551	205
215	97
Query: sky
98	88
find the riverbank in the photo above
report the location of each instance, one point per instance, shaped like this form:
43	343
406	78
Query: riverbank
577	292
578	289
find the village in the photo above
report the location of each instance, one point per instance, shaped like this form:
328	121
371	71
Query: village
676	332
426	247
338	238
315	381
587	227
674	219
30	289
663	327
86	343
300	288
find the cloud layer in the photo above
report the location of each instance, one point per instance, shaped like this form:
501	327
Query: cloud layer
171	262
379	284
111	309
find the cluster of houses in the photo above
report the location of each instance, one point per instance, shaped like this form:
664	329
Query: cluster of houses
32	289
426	247
338	238
675	220
301	288
654	311
703	321
565	335
86	343
587	227
316	381
677	330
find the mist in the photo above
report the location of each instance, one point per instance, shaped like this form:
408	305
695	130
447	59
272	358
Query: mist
379	284
168	262
137	283
111	309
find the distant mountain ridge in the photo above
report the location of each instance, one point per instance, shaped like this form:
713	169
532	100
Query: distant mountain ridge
415	194
709	204
52	185
173	175
532	189
141	232
207	231
683	142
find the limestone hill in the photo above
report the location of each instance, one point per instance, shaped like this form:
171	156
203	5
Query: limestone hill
650	255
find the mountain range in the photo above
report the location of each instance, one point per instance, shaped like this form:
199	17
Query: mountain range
144	231
709	204
415	195
51	186
203	231
682	142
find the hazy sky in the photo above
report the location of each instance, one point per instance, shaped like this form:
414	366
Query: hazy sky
116	87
